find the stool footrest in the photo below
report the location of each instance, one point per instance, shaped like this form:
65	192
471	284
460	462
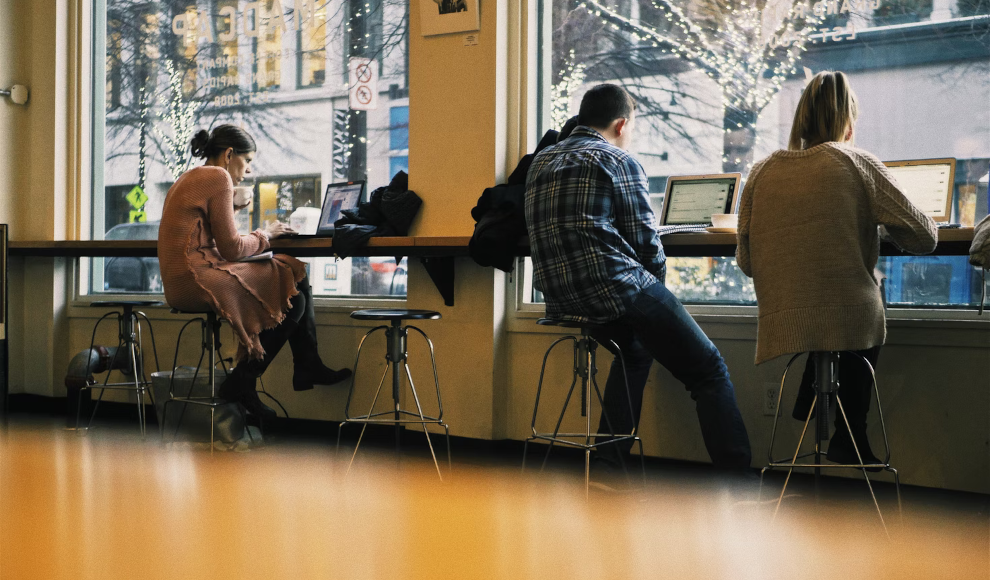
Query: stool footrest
389	414
790	465
203	401
119	386
567	443
373	420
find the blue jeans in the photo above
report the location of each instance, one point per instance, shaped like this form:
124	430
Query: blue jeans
657	327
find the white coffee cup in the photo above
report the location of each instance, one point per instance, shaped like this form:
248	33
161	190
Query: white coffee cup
727	221
243	196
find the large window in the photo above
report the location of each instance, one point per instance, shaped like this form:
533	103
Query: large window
175	66
717	82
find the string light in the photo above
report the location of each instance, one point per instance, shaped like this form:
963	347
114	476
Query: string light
562	92
180	116
748	63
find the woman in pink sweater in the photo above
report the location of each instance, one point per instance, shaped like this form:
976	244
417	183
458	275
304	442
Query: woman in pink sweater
268	302
808	237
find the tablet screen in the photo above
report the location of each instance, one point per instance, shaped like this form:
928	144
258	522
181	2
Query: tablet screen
693	201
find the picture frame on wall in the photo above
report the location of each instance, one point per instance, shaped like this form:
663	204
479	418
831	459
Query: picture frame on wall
449	16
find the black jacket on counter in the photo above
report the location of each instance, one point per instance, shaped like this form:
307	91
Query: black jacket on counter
389	212
500	228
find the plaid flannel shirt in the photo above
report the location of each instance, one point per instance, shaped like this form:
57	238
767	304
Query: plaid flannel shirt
592	231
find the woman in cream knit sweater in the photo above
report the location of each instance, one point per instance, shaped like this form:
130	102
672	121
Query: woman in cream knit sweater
808	237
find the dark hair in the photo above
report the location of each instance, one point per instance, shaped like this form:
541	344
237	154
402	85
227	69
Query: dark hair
208	146
569	126
603	104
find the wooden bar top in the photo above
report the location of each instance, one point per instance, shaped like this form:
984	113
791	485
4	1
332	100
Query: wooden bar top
952	242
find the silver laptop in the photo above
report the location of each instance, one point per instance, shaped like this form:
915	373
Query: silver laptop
339	196
927	183
690	200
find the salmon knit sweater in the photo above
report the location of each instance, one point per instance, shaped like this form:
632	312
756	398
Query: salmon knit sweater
808	237
198	246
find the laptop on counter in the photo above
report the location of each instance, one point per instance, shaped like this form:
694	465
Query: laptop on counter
338	197
928	184
690	201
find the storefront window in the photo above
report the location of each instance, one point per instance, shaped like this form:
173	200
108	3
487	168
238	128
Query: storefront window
173	67
716	85
312	49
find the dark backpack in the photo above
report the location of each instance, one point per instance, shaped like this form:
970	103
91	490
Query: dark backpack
500	232
501	226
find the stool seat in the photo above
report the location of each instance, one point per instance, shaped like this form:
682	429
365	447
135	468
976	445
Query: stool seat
394	314
568	323
177	311
113	303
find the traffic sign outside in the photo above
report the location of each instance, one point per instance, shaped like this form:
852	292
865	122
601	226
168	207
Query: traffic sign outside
362	83
136	197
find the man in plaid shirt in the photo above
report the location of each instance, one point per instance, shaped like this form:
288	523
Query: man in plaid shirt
598	260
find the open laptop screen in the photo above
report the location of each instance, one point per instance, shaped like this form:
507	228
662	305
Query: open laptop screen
927	184
339	196
693	200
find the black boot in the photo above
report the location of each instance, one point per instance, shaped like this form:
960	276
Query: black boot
308	368
240	385
806	392
252	402
241	388
855	392
306	376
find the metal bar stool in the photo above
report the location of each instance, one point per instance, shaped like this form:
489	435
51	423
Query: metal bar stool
585	367
396	336
129	353
210	327
827	401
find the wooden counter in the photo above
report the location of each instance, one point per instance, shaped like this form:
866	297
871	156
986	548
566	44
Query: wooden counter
437	253
952	242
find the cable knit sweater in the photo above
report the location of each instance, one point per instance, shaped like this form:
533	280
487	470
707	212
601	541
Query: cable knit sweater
808	237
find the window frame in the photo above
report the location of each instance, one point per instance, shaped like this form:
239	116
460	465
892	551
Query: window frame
91	194
709	312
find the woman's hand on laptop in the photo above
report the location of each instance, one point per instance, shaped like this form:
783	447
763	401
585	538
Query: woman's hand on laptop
278	229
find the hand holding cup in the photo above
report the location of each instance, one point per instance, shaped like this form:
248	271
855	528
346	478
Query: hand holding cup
243	197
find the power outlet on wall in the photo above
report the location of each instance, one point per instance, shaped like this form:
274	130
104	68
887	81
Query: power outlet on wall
770	403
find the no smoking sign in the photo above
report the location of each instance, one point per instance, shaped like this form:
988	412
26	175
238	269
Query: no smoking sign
362	83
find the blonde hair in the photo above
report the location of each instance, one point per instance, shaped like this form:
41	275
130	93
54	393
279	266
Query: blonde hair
825	112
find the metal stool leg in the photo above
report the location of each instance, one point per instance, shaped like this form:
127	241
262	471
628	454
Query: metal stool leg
92	344
635	428
210	349
364	426
826	386
539	391
436	384
419	409
350	392
397	361
794	459
586	367
859	457
773	430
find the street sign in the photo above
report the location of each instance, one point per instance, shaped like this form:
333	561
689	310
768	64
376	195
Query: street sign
136	197
138	216
362	83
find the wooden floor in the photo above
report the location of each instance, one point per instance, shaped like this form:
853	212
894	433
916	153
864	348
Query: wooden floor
108	506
